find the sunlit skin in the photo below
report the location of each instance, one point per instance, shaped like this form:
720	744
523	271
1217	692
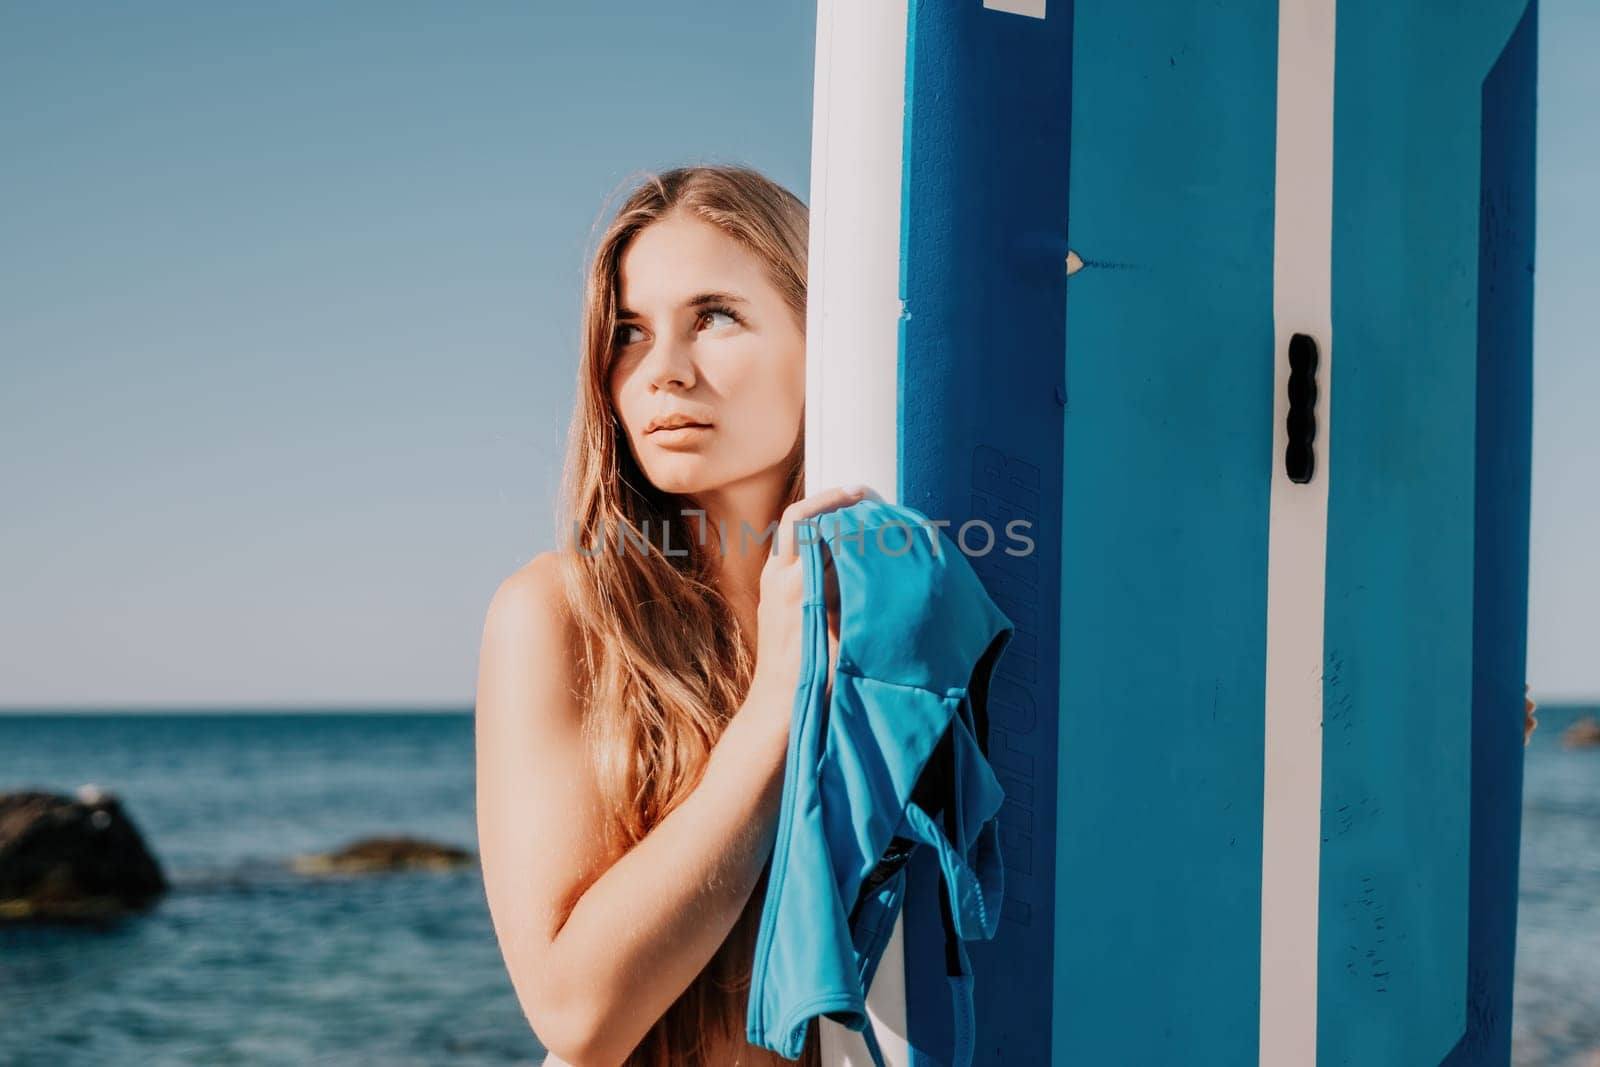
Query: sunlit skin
595	962
704	333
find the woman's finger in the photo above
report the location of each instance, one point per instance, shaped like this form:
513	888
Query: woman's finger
792	525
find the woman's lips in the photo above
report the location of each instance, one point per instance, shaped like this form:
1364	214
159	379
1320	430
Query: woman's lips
676	435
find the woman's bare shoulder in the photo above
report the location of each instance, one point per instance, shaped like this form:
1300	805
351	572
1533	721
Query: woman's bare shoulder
530	621
533	594
538	812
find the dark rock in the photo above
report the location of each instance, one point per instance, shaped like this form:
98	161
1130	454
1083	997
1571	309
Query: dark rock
1584	733
71	859
384	854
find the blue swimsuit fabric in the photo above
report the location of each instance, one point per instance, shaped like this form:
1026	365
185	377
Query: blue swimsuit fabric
894	759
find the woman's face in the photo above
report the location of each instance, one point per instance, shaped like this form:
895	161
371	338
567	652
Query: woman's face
702	335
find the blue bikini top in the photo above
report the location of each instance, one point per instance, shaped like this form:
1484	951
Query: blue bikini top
894	759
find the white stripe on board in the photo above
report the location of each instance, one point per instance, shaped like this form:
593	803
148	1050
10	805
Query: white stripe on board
1031	8
852	333
1297	545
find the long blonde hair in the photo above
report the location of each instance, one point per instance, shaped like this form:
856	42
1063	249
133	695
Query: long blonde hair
666	665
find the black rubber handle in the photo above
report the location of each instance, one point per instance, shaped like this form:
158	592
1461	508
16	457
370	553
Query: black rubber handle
1300	458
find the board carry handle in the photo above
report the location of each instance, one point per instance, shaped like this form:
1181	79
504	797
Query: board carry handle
1300	457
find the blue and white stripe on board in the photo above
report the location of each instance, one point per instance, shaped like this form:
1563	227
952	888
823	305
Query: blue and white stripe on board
1261	730
1291	804
916	386
853	294
852	334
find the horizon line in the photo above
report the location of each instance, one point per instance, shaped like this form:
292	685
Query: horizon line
330	708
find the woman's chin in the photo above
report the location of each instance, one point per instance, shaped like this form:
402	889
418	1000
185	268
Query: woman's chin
681	474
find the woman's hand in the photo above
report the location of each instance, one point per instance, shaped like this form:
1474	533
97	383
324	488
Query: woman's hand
779	618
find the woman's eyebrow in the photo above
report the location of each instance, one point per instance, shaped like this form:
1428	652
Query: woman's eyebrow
698	300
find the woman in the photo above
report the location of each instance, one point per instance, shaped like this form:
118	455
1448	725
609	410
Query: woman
634	693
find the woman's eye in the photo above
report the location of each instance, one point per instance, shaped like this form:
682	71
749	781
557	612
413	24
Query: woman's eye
622	335
724	312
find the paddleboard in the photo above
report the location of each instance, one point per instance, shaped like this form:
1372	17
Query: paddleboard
1094	267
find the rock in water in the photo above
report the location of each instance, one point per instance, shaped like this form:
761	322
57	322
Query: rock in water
1584	733
384	854
72	859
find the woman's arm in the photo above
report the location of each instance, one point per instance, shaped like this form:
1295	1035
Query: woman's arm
596	957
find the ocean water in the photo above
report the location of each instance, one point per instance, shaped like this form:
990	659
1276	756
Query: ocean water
246	962
1555	1020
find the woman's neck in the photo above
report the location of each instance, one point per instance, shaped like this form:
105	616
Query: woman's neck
746	514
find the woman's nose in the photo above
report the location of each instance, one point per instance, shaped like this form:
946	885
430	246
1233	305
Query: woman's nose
670	364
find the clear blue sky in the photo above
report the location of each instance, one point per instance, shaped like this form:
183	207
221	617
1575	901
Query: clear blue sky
288	314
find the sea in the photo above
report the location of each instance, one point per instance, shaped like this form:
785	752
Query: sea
247	962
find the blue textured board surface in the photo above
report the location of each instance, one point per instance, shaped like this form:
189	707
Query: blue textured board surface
1427	583
1168	461
1132	422
1500	555
981	335
1500	552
